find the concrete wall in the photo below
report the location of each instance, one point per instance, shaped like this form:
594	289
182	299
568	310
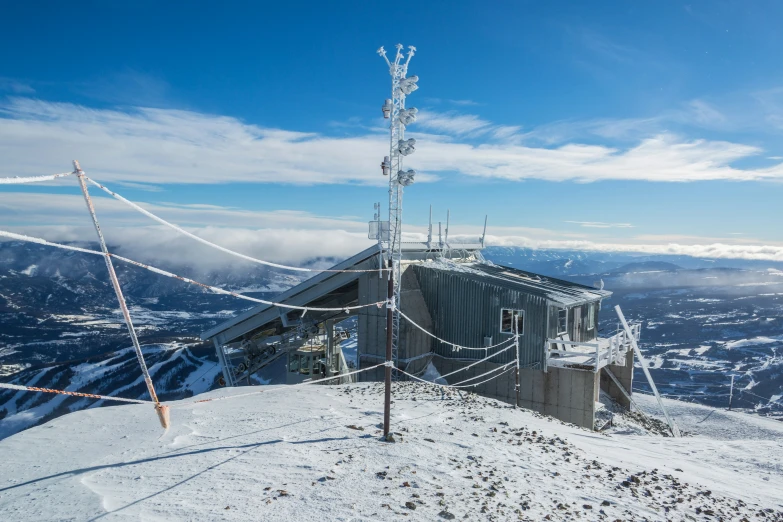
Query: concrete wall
564	393
624	374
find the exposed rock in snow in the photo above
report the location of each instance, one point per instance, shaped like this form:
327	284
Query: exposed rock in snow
314	453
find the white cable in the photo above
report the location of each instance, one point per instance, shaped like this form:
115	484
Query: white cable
477	362
504	367
214	289
451	385
456	346
72	393
213	245
30	239
32	179
283	387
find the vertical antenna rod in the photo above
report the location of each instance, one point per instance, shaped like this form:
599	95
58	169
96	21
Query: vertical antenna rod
429	231
448	214
163	411
484	234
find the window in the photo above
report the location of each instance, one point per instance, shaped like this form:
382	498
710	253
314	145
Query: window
562	321
294	366
591	316
507	317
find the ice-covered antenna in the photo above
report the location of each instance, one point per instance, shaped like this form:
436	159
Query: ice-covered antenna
382	53
448	216
484	234
399	178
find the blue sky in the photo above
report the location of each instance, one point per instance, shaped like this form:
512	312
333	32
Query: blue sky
612	124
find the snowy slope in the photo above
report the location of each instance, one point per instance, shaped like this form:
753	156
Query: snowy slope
178	369
295	454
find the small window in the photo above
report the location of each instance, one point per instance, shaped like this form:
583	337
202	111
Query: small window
507	317
294	366
562	321
591	316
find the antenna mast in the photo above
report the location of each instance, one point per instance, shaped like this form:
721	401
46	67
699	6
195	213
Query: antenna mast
399	147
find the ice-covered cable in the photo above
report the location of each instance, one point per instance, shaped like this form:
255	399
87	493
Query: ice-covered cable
213	245
214	289
479	361
32	179
65	392
457	347
282	387
452	385
504	367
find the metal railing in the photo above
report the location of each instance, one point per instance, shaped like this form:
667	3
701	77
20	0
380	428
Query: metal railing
594	354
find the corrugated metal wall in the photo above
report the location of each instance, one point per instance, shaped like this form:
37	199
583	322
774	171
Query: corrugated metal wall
465	310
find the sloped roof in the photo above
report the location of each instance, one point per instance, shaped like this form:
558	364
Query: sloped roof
556	290
303	294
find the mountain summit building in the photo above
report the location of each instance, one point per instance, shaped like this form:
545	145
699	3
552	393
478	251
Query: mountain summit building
452	295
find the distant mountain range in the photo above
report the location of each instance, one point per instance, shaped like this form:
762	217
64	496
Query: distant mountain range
61	327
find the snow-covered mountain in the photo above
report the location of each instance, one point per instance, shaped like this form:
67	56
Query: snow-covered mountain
314	453
61	324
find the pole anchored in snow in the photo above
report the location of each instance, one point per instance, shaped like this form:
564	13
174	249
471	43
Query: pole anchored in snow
516	353
731	391
643	362
389	343
162	411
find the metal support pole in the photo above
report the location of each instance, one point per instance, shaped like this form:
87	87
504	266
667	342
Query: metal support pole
484	234
163	411
221	355
429	231
389	325
643	362
516	348
731	392
330	352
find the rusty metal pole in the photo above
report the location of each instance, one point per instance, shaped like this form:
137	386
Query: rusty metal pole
389	325
162	411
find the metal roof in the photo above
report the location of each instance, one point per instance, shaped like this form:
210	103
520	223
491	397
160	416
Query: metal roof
299	295
309	291
558	291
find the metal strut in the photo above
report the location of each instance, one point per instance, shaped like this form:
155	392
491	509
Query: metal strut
162	411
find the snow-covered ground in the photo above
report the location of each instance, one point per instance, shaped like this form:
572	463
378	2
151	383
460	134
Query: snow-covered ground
313	453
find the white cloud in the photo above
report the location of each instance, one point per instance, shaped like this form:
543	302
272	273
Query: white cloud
280	236
598	224
151	146
714	251
295	237
453	123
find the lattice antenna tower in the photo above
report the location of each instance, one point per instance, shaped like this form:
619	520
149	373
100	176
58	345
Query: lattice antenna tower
399	147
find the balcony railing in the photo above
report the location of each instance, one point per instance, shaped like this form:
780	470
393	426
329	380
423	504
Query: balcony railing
593	355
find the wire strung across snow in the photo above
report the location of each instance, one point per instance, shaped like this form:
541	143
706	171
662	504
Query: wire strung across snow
159	271
65	392
479	361
32	179
213	245
284	387
454	385
457	347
